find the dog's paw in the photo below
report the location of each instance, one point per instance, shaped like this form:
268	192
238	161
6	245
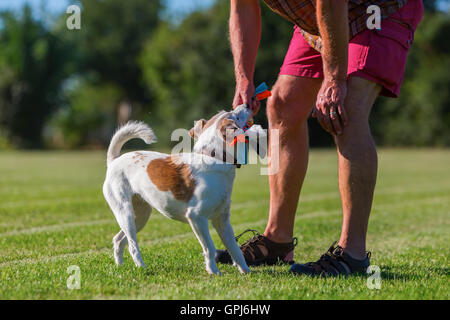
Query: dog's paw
244	270
214	272
140	265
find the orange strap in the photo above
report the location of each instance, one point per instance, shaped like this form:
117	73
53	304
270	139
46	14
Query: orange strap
263	95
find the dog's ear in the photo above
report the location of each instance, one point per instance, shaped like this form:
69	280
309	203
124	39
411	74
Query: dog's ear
197	130
227	129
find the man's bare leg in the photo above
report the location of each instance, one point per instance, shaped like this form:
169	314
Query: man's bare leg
287	110
357	158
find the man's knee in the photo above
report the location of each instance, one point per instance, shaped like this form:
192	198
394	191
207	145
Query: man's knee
281	111
361	95
291	102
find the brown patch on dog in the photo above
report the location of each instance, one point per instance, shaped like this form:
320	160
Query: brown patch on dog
226	128
198	128
169	174
212	120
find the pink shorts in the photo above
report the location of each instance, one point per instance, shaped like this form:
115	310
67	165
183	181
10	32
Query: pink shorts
376	55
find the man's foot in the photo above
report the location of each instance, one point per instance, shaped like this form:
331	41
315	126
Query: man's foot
334	262
260	250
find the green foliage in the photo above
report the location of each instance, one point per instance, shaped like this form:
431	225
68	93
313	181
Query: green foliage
113	34
421	114
430	5
89	116
33	66
189	67
111	38
68	85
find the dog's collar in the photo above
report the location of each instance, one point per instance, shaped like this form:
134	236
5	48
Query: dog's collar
224	159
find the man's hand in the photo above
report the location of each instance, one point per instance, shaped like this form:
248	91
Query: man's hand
329	110
244	94
332	19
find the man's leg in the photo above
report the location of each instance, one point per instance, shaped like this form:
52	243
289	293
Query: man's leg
357	176
287	111
357	166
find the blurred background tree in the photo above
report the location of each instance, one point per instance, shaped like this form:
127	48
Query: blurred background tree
190	68
421	114
109	87
70	89
33	64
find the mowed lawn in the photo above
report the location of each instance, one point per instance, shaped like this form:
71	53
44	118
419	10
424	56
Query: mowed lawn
53	215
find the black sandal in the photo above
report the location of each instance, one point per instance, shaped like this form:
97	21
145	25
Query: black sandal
334	262
260	250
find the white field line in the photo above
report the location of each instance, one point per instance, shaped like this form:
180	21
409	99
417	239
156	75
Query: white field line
44	202
56	227
250	224
248	204
153	241
307	197
46	190
63	226
45	187
428	200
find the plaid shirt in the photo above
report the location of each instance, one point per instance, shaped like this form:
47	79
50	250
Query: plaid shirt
303	14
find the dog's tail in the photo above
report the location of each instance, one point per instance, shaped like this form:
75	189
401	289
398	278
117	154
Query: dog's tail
131	130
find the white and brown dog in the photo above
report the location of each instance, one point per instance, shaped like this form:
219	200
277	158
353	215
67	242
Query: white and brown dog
189	187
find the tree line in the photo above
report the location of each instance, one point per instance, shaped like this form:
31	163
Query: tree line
63	88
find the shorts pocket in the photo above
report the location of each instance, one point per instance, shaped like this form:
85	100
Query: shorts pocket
388	51
358	48
396	32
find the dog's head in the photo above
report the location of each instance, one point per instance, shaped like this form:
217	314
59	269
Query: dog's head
223	126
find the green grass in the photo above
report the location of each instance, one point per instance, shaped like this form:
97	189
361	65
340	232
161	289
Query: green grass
53	215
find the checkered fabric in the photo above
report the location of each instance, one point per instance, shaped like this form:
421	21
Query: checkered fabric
303	14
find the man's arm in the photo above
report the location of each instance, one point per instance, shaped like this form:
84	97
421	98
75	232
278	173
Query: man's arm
332	18
245	34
